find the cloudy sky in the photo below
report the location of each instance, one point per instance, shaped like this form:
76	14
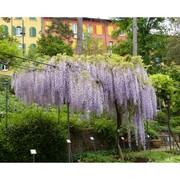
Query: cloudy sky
92	8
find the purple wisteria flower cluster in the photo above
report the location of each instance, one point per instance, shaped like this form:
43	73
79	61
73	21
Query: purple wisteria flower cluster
92	85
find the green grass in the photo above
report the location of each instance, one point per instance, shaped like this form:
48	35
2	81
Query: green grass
109	157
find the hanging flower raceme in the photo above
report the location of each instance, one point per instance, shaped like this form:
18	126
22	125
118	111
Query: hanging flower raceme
92	84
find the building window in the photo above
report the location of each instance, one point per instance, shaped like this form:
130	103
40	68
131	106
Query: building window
18	31
98	29
32	46
18	18
89	29
47	24
32	32
74	29
5	30
84	28
110	47
110	29
32	18
14	31
121	33
74	43
3	67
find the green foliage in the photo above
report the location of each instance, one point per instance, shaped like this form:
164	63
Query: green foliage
51	45
106	128
164	86
56	40
176	129
157	156
102	156
61	29
108	156
14	105
152	156
111	59
175	124
32	130
2	79
153	134
175	121
154	125
173	49
92	45
8	45
161	118
32	53
76	124
173	71
152	128
151	46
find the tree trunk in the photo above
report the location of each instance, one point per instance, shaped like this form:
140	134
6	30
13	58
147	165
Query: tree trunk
134	36
119	153
79	36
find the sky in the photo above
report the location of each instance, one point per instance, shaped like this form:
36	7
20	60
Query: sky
92	8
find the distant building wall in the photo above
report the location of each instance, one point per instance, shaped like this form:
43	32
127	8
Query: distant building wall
32	29
99	28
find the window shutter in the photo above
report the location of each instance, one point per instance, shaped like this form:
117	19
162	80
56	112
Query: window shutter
5	30
14	31
18	17
30	31
32	18
34	32
1	67
32	46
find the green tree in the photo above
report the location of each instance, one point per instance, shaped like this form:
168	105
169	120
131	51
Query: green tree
56	39
8	49
52	45
173	41
92	45
173	71
60	29
150	38
166	91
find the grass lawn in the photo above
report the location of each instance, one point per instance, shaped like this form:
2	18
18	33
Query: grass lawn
142	156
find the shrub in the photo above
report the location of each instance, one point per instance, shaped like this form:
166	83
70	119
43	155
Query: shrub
106	128
102	156
175	121
32	130
152	156
161	118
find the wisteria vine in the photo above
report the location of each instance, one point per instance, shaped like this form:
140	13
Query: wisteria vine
92	85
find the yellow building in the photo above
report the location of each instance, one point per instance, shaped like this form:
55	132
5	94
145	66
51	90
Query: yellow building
25	29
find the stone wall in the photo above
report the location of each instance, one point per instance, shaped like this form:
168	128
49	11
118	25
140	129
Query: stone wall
80	141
